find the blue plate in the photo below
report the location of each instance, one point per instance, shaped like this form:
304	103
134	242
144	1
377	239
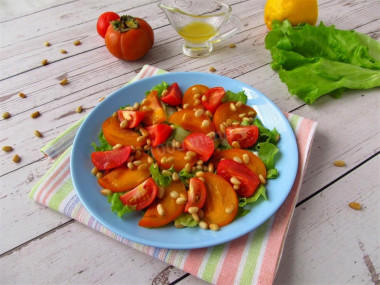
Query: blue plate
88	189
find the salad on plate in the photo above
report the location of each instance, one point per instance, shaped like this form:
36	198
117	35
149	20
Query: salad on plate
193	157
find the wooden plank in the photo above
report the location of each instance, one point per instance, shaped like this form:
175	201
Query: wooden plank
330	243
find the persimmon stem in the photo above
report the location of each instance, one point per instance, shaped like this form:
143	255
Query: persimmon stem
125	23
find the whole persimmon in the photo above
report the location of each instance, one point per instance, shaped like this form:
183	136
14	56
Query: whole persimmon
129	38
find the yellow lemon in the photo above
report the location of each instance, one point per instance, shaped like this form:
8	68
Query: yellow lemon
296	11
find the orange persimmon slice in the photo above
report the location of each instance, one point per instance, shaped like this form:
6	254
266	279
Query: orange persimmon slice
176	157
154	112
189	120
188	97
122	178
152	219
254	162
221	203
116	135
225	112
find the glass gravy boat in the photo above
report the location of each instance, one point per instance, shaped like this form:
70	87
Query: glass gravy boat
198	22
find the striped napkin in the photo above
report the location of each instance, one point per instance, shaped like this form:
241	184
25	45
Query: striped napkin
250	259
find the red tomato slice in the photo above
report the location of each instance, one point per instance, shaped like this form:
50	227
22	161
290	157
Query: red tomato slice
134	118
246	136
104	21
200	144
174	95
109	159
214	98
196	196
141	196
159	133
249	181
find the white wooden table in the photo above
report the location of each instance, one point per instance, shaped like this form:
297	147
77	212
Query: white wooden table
328	242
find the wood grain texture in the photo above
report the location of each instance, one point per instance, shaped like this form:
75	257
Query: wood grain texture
324	231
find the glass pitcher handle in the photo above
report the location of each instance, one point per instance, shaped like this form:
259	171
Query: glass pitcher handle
235	20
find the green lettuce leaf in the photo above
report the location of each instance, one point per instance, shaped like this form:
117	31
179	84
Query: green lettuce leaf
117	206
267	153
260	192
231	96
186	220
317	60
185	177
104	145
159	178
159	88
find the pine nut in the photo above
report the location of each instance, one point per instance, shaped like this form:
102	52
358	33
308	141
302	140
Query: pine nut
251	113
188	167
35	114
198	113
99	175
6	115
195	90
101	99
142	166
204	98
174	194
150	160
229	209
236	187
44	62
199	174
205	124
212	69
140	138
137	154
203	225
197	96
181	200
7	148
124	124
201	179
164	93
262	179
211	135
186	105
246	158
175	176
163	159
46	44
178	225
193	210
339	163
22	95
222	128
178	144
200	162
195	217
232	45
79	109
197	102
105	192
210	167
235	181
355	206
62	51
94	170
38	134
64	81
166	172
130	165
237	159
137	162
160	210
228	122
235	144
191	153
16	158
77	43
214	227
239	104
170	160
232	107
148	142
242	115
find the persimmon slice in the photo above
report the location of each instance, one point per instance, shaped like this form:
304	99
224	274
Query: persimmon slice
225	112
188	120
254	162
221	203
116	135
152	219
176	157
188	97
123	179
154	112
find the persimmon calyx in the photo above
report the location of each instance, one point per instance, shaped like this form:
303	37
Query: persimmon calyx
125	23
